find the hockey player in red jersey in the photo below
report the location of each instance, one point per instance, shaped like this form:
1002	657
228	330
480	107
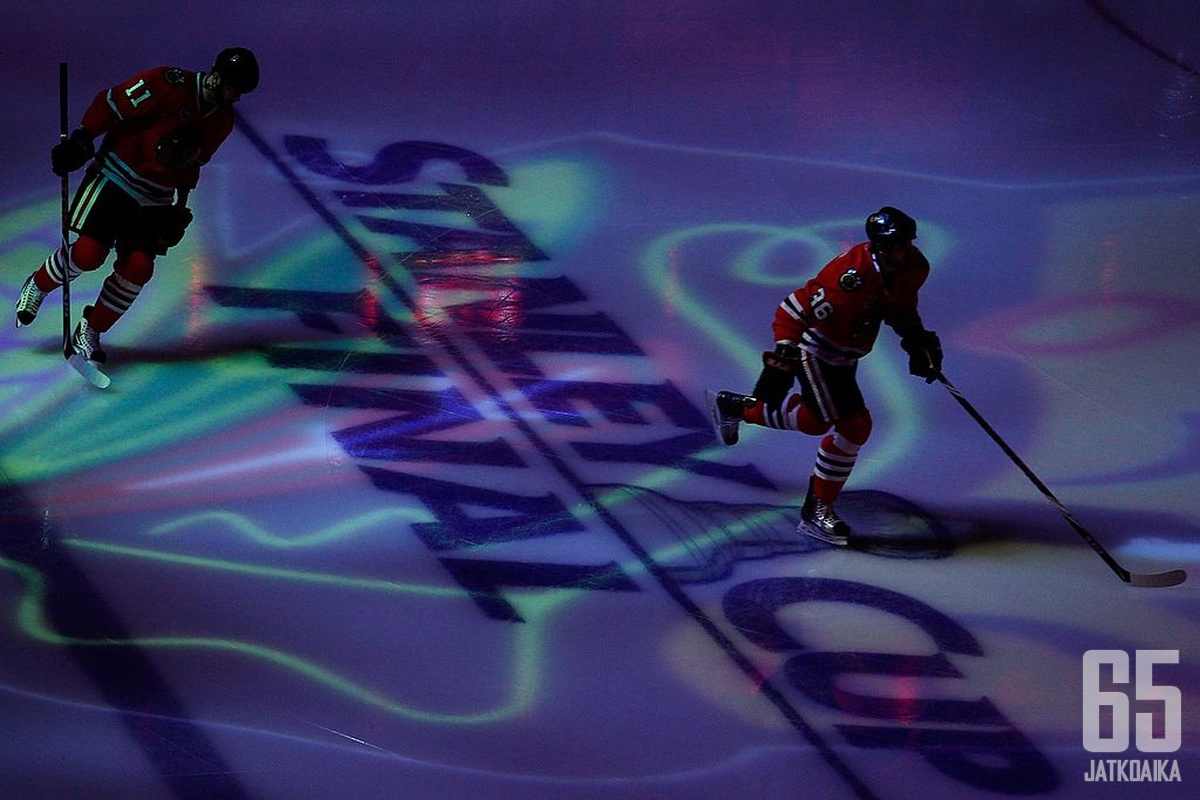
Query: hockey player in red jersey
821	331
159	128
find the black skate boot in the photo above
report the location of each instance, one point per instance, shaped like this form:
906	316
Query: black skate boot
86	340
820	521
28	302
727	410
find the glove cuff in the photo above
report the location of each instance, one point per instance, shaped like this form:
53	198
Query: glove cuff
919	340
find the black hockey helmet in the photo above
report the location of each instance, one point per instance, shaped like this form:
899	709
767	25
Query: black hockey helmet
890	226
238	68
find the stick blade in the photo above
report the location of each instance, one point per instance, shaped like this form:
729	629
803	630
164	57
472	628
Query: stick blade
89	370
1159	579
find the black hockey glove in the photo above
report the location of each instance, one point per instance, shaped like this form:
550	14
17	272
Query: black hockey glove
784	356
924	354
166	225
72	153
778	374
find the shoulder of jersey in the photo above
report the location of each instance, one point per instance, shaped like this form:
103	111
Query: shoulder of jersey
851	280
175	76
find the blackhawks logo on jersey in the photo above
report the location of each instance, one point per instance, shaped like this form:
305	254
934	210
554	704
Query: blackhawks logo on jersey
850	280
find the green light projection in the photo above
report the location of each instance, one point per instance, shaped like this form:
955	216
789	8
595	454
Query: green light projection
252	531
527	652
181	391
192	392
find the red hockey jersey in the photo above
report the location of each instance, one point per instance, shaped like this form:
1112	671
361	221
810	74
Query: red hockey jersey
157	131
836	315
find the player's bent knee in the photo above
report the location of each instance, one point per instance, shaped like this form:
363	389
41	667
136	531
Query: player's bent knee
88	254
136	267
856	428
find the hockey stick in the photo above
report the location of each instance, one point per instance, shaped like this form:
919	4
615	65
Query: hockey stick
1170	578
80	364
65	191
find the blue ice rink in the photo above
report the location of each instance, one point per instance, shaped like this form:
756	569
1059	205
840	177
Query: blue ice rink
405	488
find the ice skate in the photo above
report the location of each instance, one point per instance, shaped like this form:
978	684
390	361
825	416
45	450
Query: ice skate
28	302
727	410
86	340
820	521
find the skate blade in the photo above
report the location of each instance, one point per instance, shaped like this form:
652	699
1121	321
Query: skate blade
89	370
714	417
817	533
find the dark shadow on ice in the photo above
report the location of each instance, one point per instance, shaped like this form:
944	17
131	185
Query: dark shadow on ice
75	609
703	541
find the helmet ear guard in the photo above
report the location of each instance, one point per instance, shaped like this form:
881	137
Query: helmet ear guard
237	67
890	226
